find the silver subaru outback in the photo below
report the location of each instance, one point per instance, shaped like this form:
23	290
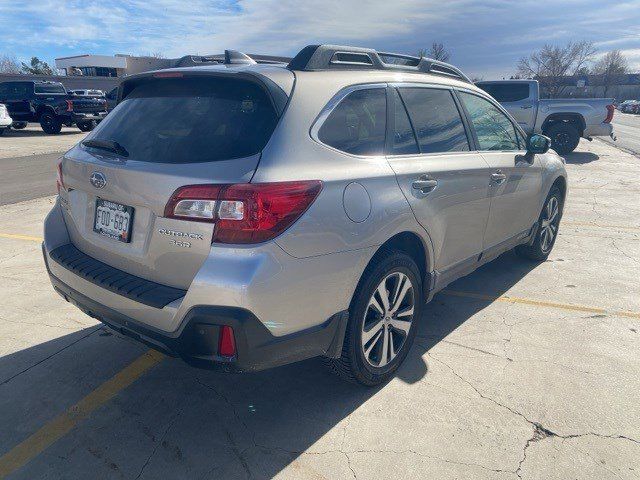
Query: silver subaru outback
243	216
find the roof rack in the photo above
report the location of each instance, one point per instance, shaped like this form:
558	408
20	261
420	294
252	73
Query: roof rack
330	57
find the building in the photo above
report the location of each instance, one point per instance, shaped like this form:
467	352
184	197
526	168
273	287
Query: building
122	65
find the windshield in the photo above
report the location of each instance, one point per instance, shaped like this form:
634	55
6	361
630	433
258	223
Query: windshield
191	120
49	88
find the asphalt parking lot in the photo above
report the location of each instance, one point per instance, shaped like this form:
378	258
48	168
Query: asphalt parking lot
519	370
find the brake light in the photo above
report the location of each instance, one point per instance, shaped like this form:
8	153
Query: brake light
610	110
59	178
244	212
226	342
69	105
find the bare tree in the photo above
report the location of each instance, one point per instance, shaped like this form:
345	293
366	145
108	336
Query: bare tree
552	62
437	52
9	64
611	67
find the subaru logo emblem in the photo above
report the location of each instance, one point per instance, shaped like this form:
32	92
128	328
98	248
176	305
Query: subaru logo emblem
98	180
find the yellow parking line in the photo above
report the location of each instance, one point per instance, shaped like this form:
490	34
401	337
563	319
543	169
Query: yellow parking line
599	225
21	237
541	303
57	428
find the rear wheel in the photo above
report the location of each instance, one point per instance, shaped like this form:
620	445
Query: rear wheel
86	126
19	125
564	137
547	232
1	131
382	320
50	123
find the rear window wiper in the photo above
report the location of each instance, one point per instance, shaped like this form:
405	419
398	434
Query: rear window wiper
108	145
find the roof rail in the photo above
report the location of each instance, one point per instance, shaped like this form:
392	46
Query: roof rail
336	57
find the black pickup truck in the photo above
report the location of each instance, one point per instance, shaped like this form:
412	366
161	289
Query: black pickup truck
49	104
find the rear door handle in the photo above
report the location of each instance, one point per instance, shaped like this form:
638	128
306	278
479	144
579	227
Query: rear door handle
424	184
498	177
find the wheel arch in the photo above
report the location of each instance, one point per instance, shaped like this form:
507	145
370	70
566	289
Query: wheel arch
573	118
43	109
561	183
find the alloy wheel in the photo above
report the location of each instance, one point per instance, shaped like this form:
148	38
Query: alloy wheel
387	319
549	226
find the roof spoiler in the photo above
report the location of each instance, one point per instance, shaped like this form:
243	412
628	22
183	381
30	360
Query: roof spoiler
337	57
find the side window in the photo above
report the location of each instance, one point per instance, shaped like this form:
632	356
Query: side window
507	92
4	89
522	140
493	128
435	119
404	141
357	125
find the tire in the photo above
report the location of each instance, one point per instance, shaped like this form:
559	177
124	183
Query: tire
369	363
1	131
86	126
19	125
564	137
547	232
50	123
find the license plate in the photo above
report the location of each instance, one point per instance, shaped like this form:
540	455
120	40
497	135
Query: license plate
113	220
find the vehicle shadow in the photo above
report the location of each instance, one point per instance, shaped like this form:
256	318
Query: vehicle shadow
579	158
39	133
180	422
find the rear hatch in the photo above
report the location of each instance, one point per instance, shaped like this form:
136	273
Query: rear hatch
86	104
168	131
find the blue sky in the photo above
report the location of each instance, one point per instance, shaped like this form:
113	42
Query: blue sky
485	38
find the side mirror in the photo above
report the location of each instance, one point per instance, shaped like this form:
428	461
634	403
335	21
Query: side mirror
538	144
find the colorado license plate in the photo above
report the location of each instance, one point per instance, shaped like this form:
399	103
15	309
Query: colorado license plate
113	220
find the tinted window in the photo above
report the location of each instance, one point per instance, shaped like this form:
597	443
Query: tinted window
506	92
191	120
357	125
522	140
493	129
435	119
49	88
15	90
404	141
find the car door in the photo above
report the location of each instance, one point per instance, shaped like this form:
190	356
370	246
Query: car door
516	179
517	98
16	95
443	179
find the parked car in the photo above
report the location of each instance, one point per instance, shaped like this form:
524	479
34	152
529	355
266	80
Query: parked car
5	119
49	104
87	93
564	120
627	106
241	223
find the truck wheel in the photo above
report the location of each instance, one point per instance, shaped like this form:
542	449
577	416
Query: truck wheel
1	131
564	137
547	232
49	123
19	125
383	320
86	126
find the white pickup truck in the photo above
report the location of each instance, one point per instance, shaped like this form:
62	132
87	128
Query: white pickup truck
564	120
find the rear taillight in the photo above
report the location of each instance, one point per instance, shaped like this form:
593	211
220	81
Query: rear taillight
610	110
69	105
244	212
59	178
226	342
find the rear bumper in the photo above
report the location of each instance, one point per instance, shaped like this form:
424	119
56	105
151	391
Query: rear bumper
87	117
600	130
196	341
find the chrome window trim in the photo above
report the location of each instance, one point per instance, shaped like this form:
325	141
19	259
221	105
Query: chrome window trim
331	105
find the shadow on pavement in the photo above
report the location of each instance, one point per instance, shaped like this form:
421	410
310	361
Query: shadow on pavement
579	158
180	422
39	133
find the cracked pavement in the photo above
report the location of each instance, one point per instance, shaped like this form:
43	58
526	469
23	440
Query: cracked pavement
490	390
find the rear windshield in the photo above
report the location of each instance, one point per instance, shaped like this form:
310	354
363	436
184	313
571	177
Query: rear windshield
49	88
191	120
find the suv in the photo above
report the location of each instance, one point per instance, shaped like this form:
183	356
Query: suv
245	216
49	104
